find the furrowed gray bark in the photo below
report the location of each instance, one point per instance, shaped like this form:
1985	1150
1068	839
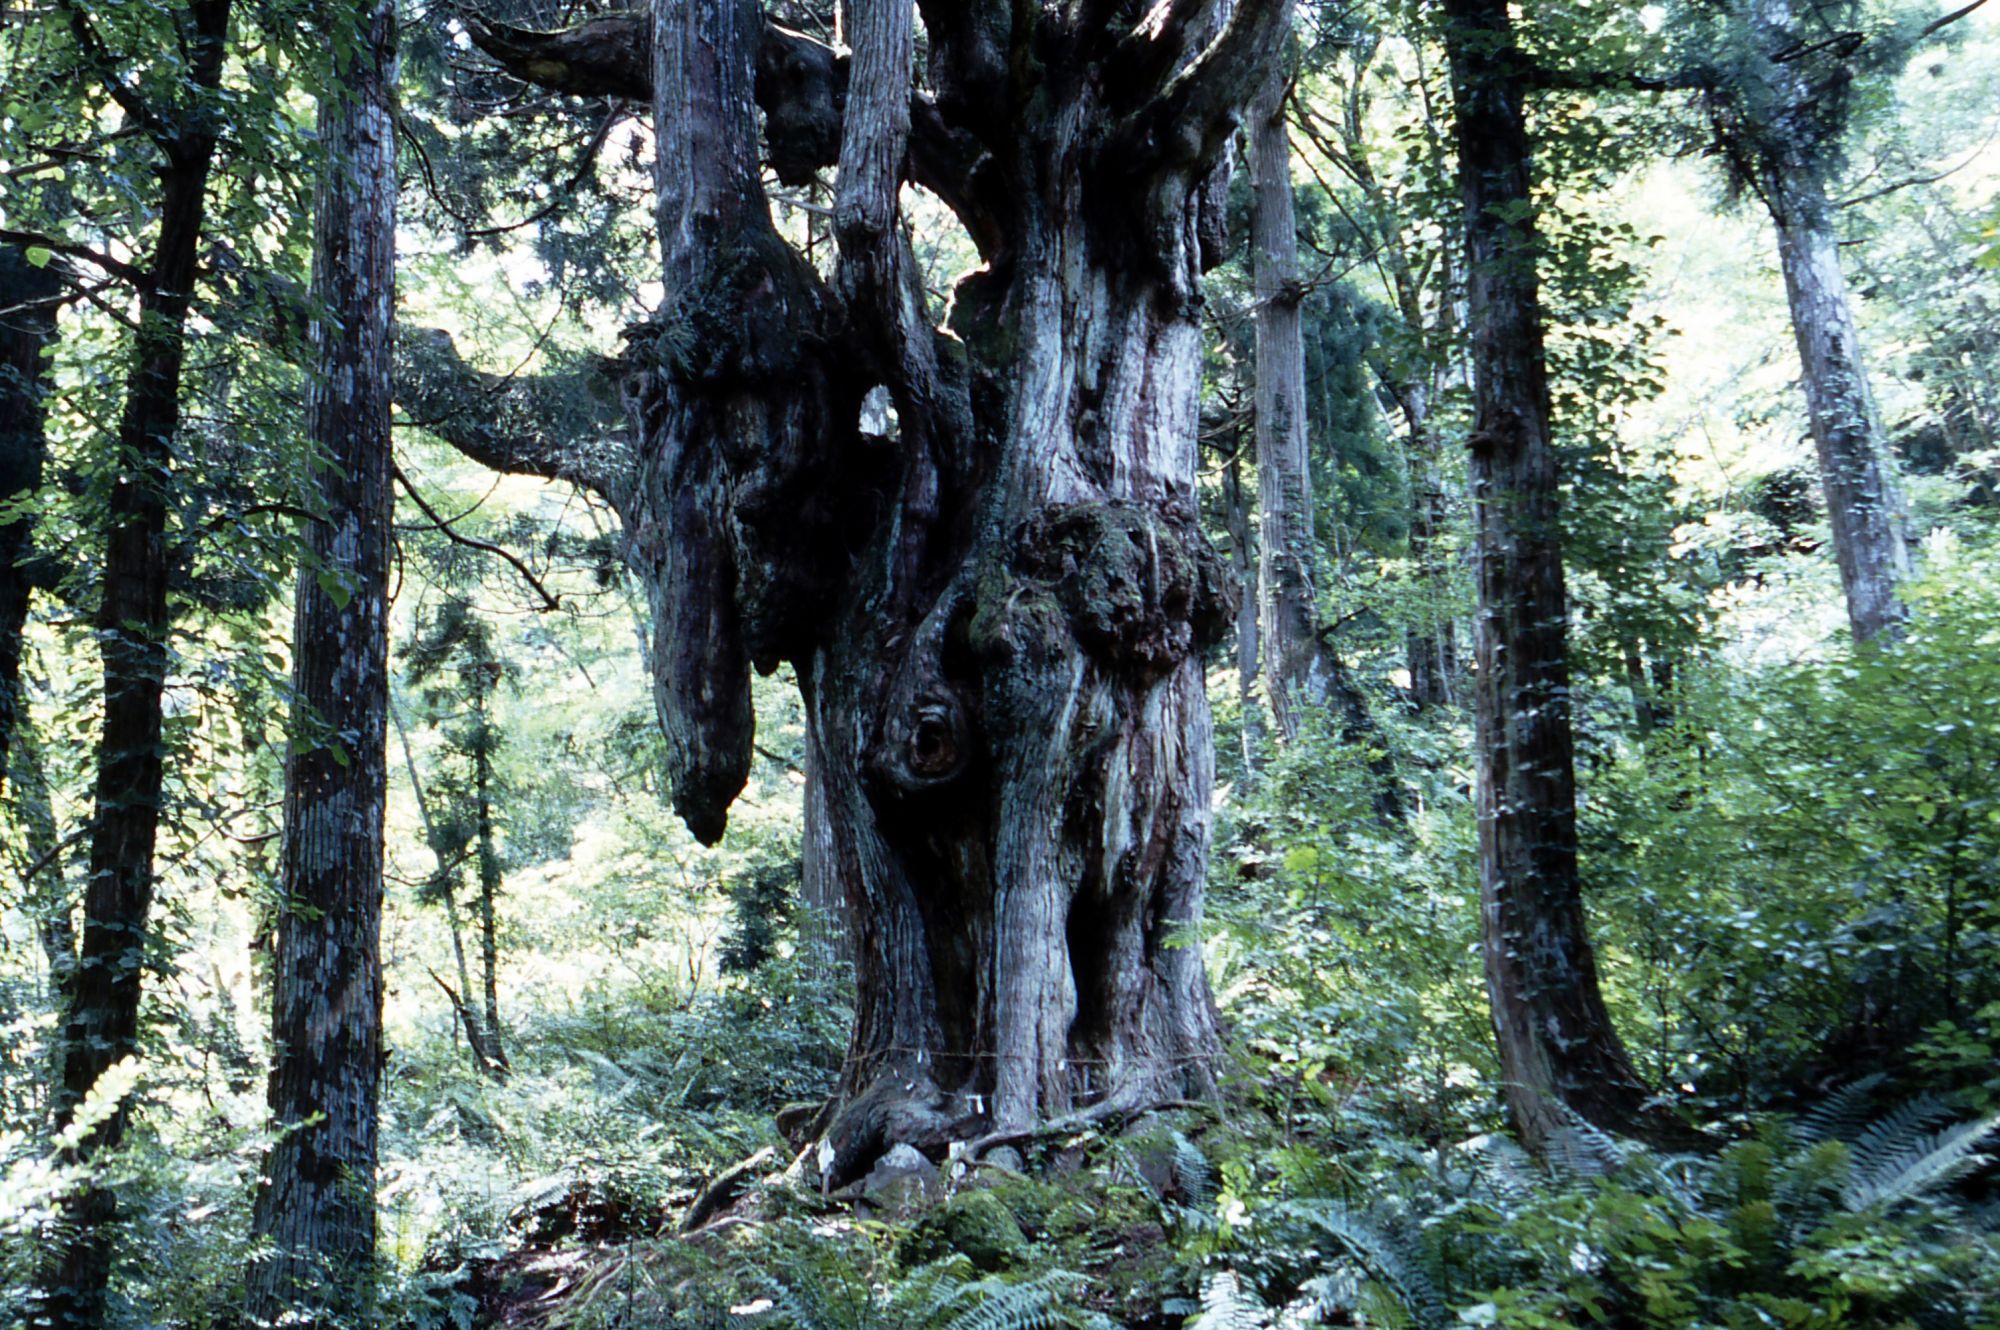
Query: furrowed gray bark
316	1202
995	610
1864	505
1295	670
1559	1052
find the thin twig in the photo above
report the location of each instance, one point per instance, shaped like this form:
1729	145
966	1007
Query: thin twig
549	602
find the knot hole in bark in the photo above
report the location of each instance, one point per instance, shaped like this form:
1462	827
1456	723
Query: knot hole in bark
926	743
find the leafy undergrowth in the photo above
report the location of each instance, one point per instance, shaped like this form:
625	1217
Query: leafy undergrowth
1848	1215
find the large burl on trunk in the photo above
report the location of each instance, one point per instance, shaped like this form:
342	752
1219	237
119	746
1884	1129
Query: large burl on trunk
996	611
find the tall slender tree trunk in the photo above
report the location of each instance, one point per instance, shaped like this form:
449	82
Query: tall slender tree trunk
1430	647
1784	153
996	614
1301	670
1249	646
101	1026
317	1202
1558	1049
27	324
1295	666
1412	373
487	855
1864	505
483	1060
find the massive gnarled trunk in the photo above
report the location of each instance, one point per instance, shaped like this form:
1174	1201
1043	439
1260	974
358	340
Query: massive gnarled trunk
317	1202
1558	1049
995	612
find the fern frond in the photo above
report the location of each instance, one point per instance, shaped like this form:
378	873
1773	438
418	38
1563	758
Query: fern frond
1581	1149
1035	1304
1906	1162
1196	1175
1388	1259
1227	1304
1841	1115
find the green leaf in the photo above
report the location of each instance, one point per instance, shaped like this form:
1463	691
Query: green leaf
38	256
336	590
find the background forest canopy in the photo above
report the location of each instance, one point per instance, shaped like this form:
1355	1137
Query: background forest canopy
849	663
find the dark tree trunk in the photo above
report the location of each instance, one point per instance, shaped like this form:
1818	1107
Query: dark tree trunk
995	614
317	1202
1558	1049
487	855
28	298
102	1024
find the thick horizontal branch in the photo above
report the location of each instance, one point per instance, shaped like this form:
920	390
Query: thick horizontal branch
116	267
1548	78
561	427
606	57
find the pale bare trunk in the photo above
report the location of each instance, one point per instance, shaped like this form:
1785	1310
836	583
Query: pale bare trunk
1864	505
1296	673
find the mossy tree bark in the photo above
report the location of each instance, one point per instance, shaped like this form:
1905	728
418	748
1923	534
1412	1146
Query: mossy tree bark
996	611
317	1201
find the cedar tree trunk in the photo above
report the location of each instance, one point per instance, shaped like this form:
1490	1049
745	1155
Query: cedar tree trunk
101	1026
1296	670
995	613
1783	153
28	298
1558	1049
317	1202
1302	671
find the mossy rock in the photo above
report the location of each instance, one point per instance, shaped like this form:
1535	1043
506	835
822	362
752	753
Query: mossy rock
975	1224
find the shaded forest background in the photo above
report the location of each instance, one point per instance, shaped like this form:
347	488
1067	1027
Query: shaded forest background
1789	839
